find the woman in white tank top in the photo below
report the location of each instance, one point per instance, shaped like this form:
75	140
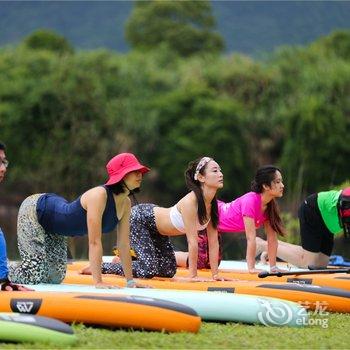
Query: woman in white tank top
151	226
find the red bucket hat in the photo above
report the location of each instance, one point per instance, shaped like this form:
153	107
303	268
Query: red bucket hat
122	164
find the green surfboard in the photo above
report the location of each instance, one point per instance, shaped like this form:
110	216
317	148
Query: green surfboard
28	328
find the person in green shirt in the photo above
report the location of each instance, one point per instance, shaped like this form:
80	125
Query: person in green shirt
321	216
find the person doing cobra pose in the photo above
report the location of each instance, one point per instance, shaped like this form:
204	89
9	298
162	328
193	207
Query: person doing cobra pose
322	216
151	226
251	211
46	220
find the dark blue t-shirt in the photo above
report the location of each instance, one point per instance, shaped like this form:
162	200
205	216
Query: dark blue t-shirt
57	215
3	257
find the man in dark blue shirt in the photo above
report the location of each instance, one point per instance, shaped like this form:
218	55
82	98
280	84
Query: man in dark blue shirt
5	284
3	257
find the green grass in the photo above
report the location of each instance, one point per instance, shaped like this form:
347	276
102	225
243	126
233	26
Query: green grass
212	336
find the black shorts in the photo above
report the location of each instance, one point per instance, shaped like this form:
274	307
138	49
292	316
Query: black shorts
315	236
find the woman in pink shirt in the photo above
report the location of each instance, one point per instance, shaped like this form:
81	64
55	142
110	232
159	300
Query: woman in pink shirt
252	210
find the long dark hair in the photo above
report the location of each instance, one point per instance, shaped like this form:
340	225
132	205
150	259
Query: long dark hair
264	176
195	186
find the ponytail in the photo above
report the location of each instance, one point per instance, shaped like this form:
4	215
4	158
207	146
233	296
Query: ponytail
264	176
194	168
273	214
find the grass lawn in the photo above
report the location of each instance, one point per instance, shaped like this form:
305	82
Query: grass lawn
213	336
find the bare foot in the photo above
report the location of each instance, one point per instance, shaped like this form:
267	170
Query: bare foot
116	260
85	270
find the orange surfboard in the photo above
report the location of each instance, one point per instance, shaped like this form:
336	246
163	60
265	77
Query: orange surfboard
114	311
339	280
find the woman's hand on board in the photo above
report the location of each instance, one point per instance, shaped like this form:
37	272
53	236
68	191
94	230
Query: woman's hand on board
274	269
10	287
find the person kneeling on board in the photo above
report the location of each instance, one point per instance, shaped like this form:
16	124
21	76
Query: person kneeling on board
45	220
321	216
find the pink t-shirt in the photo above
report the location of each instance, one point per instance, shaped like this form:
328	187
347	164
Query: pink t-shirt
231	214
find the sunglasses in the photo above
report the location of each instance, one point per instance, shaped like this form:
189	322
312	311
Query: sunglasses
5	162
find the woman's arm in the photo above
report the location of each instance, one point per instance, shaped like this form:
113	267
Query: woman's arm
250	232
272	244
213	241
189	215
123	240
95	205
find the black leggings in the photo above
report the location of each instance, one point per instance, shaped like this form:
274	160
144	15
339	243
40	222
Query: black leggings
154	252
315	236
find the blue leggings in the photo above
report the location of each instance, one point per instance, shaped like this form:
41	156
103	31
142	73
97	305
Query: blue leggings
154	252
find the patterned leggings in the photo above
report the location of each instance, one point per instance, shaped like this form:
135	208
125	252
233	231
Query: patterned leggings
203	250
154	252
43	254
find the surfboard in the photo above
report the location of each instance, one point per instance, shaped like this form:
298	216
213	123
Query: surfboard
238	270
339	280
242	265
223	267
336	299
29	328
124	311
209	306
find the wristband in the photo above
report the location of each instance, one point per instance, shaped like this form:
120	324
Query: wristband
130	283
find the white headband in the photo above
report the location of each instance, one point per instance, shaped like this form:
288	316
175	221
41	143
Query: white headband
202	163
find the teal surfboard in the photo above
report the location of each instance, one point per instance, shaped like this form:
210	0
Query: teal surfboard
211	306
236	265
242	265
29	328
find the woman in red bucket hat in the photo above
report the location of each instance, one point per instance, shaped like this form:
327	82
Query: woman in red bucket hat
152	225
321	216
45	221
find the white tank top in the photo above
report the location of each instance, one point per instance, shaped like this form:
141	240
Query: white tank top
177	221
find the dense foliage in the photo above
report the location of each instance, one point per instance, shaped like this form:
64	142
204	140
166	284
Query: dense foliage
63	114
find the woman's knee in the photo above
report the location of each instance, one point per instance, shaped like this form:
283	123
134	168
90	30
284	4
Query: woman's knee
167	268
57	274
56	278
170	271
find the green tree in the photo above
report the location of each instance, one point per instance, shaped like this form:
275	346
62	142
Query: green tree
337	43
196	122
186	27
48	40
315	114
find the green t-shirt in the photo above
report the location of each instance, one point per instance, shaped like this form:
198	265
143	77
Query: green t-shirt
327	203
